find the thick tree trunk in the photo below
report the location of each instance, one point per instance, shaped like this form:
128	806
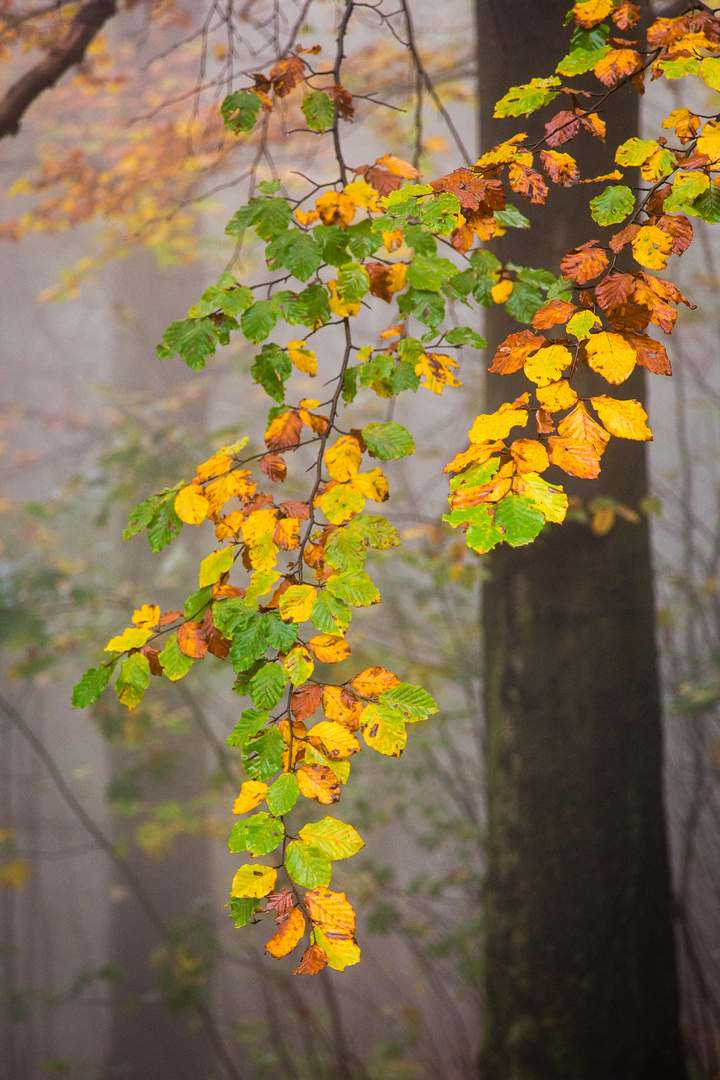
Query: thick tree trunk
580	970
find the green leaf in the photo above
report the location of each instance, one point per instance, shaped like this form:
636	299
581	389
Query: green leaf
475	475
140	516
272	369
384	729
412	701
520	519
283	794
353	282
361	240
427	307
262	756
511	218
303	256
523	302
485	264
193	339
242	908
257	322
429	272
270	217
230	616
91	685
612	205
227	295
559	290
259	835
464	335
307	865
299	665
355	587
460	286
249	644
334	244
403	378
706	206
578	61
420	239
197	602
441	213
174	662
214	565
240	110
164	524
522	100
375	369
686	186
281	635
251	722
335	839
591	39
330	615
345	549
318	110
541	279
133	679
635	151
316	305
388	441
376	531
483	534
267	685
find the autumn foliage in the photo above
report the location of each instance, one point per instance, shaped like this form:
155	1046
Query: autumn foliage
276	595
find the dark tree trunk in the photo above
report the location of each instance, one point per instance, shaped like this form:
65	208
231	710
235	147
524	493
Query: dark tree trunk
580	969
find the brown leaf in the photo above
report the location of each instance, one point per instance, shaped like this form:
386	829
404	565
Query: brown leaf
619	240
544	421
557	311
274	466
305	700
594	125
681	230
514	351
216	644
281	902
614	289
294	509
628	316
383	181
462	239
286	74
654	205
563	127
170	617
284	431
220	591
626	15
152	655
528	183
584	263
651	354
314	959
667	31
617	65
561	168
191	639
344	101
385	281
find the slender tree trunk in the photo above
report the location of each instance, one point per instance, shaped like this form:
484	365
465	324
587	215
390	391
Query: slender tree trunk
580	968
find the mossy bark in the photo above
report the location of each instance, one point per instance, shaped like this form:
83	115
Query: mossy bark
580	968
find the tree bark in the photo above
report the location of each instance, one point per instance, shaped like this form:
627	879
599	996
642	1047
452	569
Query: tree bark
580	967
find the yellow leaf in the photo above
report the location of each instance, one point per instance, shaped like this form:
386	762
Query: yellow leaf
398	167
340	951
579	427
341	307
309	403
491	426
582	323
624	419
288	934
215	565
556	396
226	487
343	458
709	141
229	525
547	364
214	466
362	194
253	880
146	616
340	502
336	208
651	247
502	291
395	278
611	356
287	534
529	455
505	152
478	452
335	739
318	782
329	648
191	506
303	359
372	485
436	370
330	911
590	12
298	665
129	639
251	795
258	525
384	729
308	218
296	603
346	711
15	874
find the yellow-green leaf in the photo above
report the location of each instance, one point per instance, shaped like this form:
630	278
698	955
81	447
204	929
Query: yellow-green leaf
254	880
215	565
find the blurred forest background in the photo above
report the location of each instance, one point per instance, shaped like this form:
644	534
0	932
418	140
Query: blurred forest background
117	959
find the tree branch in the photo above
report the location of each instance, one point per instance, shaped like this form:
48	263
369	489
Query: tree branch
71	50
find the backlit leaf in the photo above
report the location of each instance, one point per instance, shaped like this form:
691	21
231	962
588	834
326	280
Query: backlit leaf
335	839
262	755
611	356
133	680
520	519
191	506
132	638
329	648
414	702
314	959
174	662
330	911
547	364
91	685
253	880
341	951
355	587
318	782
299	665
251	795
335	739
651	247
318	110
343	458
625	419
297	602
389	440
373	681
289	933
215	565
307	864
384	729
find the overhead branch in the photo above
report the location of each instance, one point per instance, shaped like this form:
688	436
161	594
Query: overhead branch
70	51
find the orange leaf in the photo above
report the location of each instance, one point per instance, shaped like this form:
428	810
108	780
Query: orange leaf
561	168
329	648
318	782
284	431
584	263
290	931
191	639
514	351
330	911
617	65
314	959
527	182
556	396
286	74
340	704
578	459
650	353
529	455
373	681
398	167
306	700
557	311
579	427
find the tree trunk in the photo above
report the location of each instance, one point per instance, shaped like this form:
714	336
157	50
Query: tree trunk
580	969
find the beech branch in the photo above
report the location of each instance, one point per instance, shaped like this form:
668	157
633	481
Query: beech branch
70	51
